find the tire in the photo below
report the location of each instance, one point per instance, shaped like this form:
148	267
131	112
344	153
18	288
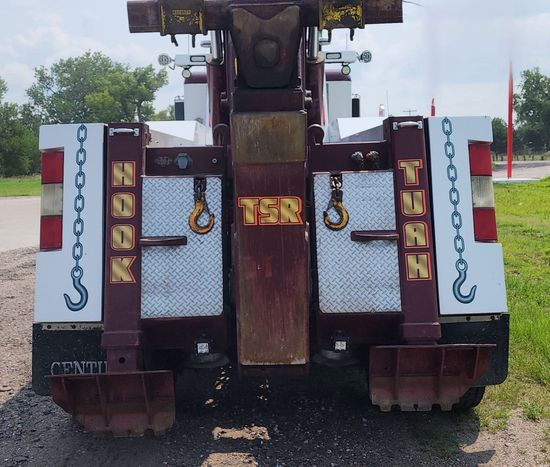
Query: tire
470	399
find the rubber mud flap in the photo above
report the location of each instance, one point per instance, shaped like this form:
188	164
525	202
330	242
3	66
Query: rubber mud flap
125	404
416	377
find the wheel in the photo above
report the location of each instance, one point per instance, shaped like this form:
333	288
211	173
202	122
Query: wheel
470	399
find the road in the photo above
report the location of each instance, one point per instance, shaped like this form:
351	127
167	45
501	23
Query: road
324	420
19	222
523	169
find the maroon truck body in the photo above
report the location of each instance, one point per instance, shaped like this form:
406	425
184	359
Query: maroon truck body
266	103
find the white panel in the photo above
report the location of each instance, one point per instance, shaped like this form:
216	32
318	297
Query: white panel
485	266
186	280
356	129
358	277
53	268
339	100
196	102
177	133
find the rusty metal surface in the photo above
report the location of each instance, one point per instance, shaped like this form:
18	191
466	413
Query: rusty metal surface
272	303
271	260
268	138
266	49
416	377
125	404
341	14
383	11
177	17
144	15
272	100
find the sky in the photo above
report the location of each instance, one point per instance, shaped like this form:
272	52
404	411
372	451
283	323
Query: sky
456	51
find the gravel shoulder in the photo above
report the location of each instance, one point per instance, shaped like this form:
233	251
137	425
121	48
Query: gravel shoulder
325	420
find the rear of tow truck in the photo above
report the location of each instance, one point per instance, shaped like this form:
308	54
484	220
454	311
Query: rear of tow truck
262	232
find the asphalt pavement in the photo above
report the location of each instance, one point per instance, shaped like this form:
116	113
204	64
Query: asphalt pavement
19	222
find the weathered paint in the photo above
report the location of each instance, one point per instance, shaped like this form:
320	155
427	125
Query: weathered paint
271	260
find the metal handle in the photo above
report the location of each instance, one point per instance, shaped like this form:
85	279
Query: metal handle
123	131
371	235
163	241
419	124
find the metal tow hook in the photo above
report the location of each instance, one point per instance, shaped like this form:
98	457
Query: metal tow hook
76	275
201	207
336	203
462	268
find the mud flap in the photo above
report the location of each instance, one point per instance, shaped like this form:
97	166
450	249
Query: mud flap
126	404
416	377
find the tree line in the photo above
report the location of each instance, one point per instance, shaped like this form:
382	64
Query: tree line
89	88
532	125
94	88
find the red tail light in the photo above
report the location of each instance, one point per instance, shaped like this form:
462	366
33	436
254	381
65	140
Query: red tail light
50	232
52	167
51	208
481	171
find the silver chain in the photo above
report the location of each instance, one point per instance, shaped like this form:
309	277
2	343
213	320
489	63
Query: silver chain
78	224
456	218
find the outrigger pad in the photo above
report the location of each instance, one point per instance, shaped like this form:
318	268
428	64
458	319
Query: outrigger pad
126	404
416	377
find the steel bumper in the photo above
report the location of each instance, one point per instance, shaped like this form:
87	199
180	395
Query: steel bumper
416	377
126	404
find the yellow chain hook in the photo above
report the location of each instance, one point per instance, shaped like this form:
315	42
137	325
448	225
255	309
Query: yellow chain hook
195	216
201	207
343	216
336	203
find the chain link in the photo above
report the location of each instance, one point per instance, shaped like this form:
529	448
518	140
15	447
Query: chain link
78	225
456	217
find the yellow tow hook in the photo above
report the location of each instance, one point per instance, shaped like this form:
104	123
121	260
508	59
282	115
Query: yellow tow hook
336	203
201	208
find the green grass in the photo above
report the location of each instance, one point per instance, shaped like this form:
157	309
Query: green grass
523	213
20	186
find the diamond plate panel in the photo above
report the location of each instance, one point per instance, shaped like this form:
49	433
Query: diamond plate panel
182	281
358	277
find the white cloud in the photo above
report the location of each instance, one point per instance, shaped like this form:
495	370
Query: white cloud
454	50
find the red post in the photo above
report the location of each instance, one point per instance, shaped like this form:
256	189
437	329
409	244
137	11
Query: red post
510	121
433	107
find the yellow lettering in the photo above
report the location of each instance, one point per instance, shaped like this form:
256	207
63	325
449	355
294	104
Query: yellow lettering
290	209
120	269
416	235
411	168
122	237
413	203
124	174
269	214
249	210
418	267
123	205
